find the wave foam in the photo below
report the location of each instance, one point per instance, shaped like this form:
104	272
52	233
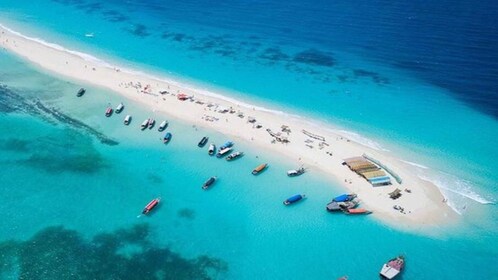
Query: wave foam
362	140
415	164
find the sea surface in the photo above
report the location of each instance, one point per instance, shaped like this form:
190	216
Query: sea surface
415	79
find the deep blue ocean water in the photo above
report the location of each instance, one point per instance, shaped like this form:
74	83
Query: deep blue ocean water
416	78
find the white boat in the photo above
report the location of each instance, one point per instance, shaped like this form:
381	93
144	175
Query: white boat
296	172
223	152
144	124
212	149
163	126
119	108
151	123
127	120
234	156
392	268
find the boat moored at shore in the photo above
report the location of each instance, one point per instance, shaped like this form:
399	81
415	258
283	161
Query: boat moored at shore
212	149
127	120
334	206
296	172
203	142
208	183
167	137
392	268
144	124
120	108
294	199
223	152
259	168
108	112
234	156
151	123
162	126
81	92
151	205
344	197
228	144
357	211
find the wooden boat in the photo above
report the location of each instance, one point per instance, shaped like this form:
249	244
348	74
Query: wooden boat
392	268
294	199
163	126
357	211
342	206
144	124
151	205
208	183
120	108
81	92
127	120
151	123
296	172
108	112
167	137
259	168
233	156
212	149
223	152
203	142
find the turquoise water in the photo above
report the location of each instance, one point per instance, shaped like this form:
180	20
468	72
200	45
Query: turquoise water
67	177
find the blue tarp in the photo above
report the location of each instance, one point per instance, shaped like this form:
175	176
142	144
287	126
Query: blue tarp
341	198
294	198
227	144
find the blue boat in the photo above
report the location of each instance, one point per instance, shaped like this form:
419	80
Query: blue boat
344	197
294	198
227	144
167	137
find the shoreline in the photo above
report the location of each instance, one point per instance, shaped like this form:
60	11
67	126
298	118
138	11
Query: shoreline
424	206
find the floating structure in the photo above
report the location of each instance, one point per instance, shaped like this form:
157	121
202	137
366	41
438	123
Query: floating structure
233	156
368	170
120	108
392	268
294	199
208	183
203	142
167	138
108	112
151	205
259	168
162	126
81	92
127	120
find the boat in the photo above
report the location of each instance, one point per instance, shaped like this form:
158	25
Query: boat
167	138
144	124
208	183
151	123
163	126
212	149
120	108
342	206
227	144
392	268
151	205
295	172
203	142
345	197
108	112
81	92
357	211
222	152
294	199
259	168
127	120
233	156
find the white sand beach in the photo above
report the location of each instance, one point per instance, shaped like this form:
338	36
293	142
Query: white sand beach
423	207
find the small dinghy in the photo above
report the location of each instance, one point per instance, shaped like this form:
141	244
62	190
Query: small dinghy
259	168
81	92
163	126
108	112
294	199
212	149
151	205
203	142
208	183
127	120
167	138
392	268
120	108
144	124
296	172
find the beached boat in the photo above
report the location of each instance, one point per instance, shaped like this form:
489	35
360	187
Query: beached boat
81	92
120	108
151	205
203	142
223	152
341	206
208	183
144	124
344	197
227	144
233	156
294	199
167	137
357	211
151	123
392	268
127	120
259	168
296	172
162	126
212	149
108	112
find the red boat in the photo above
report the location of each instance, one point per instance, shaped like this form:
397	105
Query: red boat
358	211
108	112
151	206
